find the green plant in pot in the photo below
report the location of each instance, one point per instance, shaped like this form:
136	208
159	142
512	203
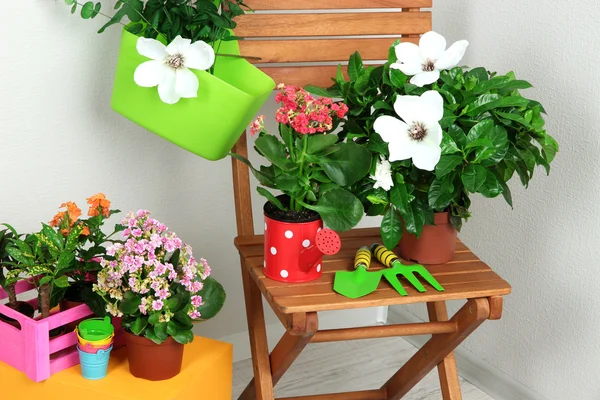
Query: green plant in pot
438	134
207	92
154	283
313	169
7	263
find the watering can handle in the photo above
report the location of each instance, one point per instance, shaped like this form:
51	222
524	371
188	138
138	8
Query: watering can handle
383	255
362	258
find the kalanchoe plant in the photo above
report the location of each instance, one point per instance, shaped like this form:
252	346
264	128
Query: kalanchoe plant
309	164
438	137
6	262
154	282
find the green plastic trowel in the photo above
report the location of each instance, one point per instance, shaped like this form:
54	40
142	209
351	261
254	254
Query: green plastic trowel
395	268
361	281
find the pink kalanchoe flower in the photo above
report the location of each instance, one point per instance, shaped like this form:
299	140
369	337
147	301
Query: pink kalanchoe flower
162	294
194	314
157	305
136	232
196	301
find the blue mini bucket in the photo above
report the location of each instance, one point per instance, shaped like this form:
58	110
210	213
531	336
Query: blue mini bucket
94	366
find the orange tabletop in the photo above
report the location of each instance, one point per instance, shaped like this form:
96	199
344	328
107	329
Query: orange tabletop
206	375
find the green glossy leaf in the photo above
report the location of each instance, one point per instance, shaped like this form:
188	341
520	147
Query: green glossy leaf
481	130
126	8
183	336
130	303
138	326
391	228
398	78
447	164
320	91
69	2
489	102
154	318
213	298
401	200
441	193
160	330
272	199
339	208
549	147
87	10
62	282
348	164
53	237
473	177
458	136
382	105
273	150
491	187
448	145
378	196
499	138
319	142
355	66
260	176
149	333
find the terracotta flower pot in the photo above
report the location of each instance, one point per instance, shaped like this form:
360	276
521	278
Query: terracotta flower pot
291	253
23	308
435	245
151	361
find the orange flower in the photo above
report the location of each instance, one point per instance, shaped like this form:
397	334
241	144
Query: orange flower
73	210
98	202
85	231
58	219
65	232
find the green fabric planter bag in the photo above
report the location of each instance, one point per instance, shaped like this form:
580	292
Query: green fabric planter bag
208	125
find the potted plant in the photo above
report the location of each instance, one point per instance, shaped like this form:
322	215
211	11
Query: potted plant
207	93
313	169
6	262
154	283
438	134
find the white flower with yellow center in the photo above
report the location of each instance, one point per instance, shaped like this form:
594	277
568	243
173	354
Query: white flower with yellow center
169	67
419	134
425	61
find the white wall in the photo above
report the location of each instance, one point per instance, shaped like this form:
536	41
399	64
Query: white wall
60	140
547	246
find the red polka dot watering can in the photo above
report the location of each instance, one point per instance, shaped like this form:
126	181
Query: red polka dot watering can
294	250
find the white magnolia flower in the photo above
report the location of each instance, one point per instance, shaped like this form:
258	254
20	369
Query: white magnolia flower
426	60
383	175
419	135
169	67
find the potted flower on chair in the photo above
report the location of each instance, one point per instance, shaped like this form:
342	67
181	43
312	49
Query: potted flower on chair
207	92
313	169
438	133
155	284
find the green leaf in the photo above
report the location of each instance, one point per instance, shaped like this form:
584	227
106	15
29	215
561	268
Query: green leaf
51	235
272	199
339	77
138	326
549	147
481	130
489	102
128	8
491	187
173	303
184	336
213	298
499	138
18	256
317	143
339	208
160	330
441	193
154	318
382	105
130	303
397	77
378	196
348	164
69	2
261	177
320	91
87	10
273	150
458	135
423	215
401	200
447	164
473	177
62	282
149	333
391	228
355	66
448	145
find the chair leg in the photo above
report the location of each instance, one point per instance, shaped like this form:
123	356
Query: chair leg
261	387
467	319
447	368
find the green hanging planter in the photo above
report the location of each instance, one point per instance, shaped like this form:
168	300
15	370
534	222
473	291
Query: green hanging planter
208	125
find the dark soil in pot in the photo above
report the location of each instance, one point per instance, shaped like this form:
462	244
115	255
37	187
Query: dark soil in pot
275	213
22	308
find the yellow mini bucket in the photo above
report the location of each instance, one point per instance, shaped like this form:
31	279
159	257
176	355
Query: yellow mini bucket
102	342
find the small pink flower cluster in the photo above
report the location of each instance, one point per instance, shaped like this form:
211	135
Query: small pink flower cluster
306	114
143	266
257	125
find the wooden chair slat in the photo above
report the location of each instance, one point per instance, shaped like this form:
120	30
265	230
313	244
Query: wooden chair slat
315	50
334	301
333	5
302	76
333	24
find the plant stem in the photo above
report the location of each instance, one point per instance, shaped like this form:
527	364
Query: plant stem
295	204
12	295
45	300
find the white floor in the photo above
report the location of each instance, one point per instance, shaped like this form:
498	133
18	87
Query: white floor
349	366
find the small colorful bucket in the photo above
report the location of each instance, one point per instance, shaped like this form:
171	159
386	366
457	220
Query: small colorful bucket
94	366
102	342
93	349
95	329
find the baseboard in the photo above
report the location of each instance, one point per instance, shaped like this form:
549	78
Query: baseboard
491	380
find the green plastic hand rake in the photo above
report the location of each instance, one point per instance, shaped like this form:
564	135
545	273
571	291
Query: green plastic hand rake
395	268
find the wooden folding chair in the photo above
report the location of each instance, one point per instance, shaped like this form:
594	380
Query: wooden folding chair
297	305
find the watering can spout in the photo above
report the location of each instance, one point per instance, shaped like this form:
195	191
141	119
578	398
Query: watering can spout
326	242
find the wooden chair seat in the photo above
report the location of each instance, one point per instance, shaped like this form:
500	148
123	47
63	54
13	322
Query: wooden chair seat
465	277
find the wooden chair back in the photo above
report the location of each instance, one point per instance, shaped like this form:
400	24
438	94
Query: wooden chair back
304	46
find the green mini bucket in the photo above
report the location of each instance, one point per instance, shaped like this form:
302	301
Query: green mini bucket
95	329
208	125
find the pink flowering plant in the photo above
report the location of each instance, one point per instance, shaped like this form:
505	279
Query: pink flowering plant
311	165
153	282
